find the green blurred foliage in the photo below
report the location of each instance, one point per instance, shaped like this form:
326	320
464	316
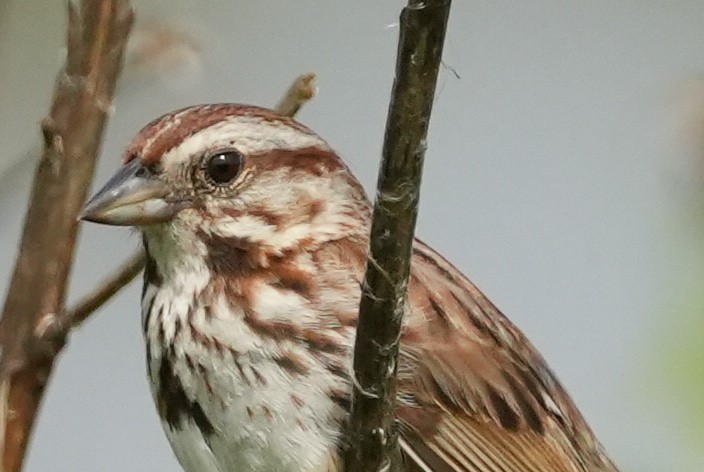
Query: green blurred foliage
681	366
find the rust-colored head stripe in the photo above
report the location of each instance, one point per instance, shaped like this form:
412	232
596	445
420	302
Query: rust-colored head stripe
170	130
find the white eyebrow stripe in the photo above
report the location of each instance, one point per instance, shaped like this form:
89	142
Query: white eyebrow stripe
248	134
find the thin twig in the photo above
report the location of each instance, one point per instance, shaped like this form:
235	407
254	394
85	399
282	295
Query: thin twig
96	38
57	328
301	90
371	433
123	275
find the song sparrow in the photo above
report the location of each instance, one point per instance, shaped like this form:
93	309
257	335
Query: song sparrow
256	236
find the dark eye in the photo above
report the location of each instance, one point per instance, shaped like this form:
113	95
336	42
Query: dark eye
223	167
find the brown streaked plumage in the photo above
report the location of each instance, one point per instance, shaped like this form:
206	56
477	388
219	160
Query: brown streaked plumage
256	234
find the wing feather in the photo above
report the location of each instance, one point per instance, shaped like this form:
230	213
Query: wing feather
475	395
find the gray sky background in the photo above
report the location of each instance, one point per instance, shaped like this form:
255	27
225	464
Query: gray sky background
552	179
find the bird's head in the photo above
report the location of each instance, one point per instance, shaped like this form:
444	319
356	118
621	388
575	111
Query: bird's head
231	176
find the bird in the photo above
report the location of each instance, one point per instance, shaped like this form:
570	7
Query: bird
256	235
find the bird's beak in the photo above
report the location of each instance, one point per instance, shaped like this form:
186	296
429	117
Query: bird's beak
133	196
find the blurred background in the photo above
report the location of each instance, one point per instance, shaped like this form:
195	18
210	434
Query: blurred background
564	175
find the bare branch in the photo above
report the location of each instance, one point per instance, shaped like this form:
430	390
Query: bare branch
301	90
97	33
91	302
371	433
53	328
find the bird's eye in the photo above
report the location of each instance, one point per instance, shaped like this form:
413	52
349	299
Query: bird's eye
222	167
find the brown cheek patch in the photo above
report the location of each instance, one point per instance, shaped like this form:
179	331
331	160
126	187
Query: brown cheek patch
230	255
268	217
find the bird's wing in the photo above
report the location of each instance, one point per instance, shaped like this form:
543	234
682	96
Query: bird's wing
474	394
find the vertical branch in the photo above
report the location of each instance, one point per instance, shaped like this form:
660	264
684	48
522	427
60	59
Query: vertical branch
96	37
372	436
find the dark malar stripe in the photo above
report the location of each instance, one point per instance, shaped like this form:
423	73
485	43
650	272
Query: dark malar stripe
173	403
151	270
147	313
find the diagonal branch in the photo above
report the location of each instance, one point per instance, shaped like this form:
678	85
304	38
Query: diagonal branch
56	328
371	432
97	33
301	90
